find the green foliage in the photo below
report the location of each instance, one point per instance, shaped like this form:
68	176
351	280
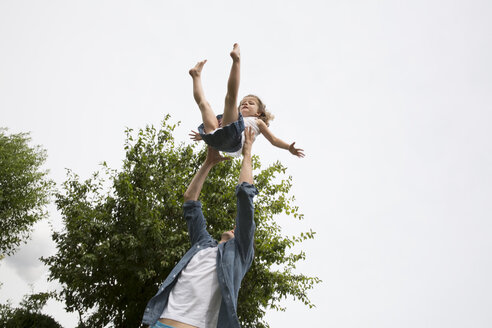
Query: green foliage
6	312
35	302
29	314
21	318
24	189
119	243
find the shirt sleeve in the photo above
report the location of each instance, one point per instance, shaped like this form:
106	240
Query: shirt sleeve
245	223
197	227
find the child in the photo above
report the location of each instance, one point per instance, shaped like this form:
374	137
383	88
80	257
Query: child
225	132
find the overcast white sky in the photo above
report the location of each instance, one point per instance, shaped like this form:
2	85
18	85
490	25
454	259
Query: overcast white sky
391	101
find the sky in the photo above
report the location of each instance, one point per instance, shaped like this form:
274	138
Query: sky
391	101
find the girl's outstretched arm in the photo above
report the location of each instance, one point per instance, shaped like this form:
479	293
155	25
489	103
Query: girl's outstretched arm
195	136
278	142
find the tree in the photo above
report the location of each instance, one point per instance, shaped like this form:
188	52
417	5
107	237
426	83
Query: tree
118	245
22	318
24	189
29	314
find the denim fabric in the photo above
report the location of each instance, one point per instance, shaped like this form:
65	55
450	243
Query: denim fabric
226	138
234	257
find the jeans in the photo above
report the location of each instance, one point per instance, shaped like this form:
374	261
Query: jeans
159	324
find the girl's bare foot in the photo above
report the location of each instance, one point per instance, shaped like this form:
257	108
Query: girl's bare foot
235	52
197	70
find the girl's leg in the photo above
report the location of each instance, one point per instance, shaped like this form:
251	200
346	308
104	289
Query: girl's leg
208	116
230	107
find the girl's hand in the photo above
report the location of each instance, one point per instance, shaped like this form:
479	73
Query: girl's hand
296	151
195	136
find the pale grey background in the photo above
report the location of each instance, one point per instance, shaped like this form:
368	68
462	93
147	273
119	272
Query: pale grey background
389	99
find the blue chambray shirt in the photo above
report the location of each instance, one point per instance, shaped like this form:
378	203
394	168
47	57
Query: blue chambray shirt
234	257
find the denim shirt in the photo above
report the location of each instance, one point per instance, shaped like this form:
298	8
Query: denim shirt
234	257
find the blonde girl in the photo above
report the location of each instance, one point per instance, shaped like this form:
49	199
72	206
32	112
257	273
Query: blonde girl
226	132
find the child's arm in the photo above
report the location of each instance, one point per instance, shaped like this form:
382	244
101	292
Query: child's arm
195	136
278	142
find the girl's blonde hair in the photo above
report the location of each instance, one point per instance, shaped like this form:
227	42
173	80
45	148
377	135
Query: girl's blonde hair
265	115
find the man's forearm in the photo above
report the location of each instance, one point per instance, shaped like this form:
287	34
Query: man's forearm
195	187
246	174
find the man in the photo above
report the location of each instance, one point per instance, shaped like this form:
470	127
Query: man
202	289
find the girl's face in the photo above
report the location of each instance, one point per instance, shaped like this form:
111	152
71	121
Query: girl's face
249	107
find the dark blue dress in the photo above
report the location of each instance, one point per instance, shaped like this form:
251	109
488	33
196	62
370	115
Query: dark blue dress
226	138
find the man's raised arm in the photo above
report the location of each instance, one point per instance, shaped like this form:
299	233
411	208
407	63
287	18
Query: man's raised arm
245	192
195	187
195	220
246	174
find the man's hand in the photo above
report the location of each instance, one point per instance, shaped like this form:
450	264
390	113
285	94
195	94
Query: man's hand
214	157
296	151
249	136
